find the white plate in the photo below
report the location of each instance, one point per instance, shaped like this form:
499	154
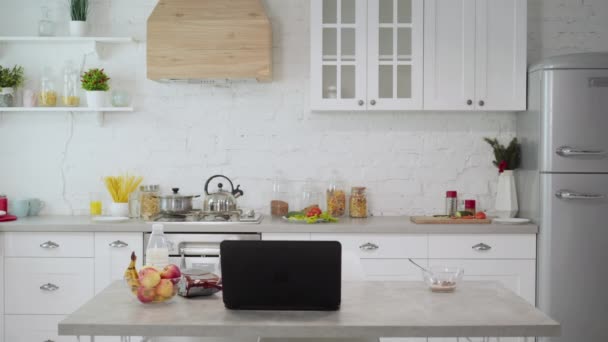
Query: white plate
511	220
110	219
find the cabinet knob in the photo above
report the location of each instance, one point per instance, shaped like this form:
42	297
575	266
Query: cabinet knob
49	245
481	247
481	103
469	102
118	244
372	102
361	102
49	287
369	246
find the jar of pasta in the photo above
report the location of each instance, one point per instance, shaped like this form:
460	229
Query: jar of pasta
149	203
336	198
71	86
358	202
48	93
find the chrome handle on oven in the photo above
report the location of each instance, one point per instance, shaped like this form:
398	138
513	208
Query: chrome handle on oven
567	151
118	244
368	246
571	195
482	247
49	245
49	287
201	250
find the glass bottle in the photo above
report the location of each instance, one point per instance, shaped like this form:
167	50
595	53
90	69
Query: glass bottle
336	197
149	203
157	251
451	203
48	94
70	96
310	196
46	27
358	202
279	204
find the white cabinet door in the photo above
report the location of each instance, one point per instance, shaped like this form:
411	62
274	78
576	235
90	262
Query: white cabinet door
337	54
501	55
35	328
113	254
394	54
449	54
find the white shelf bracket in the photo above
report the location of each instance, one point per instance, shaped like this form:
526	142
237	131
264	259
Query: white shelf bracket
100	118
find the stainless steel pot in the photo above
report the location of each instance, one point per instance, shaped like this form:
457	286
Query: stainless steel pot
221	201
175	203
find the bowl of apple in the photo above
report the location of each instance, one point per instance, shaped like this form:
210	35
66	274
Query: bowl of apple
153	285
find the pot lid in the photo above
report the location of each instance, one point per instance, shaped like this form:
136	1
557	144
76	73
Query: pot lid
176	195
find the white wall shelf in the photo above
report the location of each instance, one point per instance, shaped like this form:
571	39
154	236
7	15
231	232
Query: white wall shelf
100	112
93	43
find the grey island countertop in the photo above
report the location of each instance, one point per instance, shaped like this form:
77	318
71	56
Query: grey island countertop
376	224
368	310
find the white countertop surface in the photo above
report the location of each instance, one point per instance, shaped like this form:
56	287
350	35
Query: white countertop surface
378	224
369	309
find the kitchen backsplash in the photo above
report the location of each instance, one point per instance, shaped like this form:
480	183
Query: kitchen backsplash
180	135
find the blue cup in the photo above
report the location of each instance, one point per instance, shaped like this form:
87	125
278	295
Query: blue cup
19	208
36	206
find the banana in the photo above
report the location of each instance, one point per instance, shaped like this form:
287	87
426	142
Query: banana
131	275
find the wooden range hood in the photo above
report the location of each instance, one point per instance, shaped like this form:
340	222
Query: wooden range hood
208	40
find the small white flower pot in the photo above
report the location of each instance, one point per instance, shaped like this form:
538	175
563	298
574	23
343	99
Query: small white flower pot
506	195
97	98
7	97
119	209
78	28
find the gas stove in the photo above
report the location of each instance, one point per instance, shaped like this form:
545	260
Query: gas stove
201	217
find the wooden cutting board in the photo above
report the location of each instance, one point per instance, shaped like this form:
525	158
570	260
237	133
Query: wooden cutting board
446	220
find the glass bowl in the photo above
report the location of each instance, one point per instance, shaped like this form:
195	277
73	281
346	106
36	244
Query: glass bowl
162	292
443	278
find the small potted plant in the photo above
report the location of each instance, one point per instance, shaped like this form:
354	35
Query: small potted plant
95	83
78	10
10	79
507	159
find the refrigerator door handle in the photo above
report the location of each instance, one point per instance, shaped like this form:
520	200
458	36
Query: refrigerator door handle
567	151
571	195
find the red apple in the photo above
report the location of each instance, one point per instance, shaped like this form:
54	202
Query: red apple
149	277
145	295
165	288
170	272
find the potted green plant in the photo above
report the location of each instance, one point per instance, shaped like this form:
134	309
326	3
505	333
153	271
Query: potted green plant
9	80
79	9
95	83
506	159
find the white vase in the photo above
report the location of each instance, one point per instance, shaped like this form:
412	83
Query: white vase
97	98
78	28
119	209
7	97
506	196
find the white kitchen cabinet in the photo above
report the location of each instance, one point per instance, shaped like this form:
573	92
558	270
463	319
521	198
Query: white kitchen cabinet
48	244
366	54
380	246
113	254
475	55
35	328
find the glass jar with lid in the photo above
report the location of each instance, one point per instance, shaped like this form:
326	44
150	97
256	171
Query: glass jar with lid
358	202
149	203
310	196
48	93
336	197
279	202
71	87
46	27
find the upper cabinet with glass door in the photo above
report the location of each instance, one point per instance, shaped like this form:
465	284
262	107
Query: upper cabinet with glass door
338	53
366	54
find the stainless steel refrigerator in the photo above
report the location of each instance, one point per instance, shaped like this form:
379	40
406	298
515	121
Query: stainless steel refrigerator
563	185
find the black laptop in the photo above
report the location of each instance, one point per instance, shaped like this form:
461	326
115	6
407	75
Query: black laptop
281	275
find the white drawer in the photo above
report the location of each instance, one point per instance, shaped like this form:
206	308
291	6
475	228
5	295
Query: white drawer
380	246
69	284
37	328
58	245
476	246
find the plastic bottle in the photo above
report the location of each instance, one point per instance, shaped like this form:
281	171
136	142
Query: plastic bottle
157	252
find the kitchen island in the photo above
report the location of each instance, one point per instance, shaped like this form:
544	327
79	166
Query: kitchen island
369	310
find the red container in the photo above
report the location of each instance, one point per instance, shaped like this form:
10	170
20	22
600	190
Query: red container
3	203
469	205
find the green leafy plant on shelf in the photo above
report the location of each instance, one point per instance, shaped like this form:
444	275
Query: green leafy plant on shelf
79	9
11	78
506	158
95	80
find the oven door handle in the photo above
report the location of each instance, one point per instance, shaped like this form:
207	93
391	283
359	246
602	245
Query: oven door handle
206	251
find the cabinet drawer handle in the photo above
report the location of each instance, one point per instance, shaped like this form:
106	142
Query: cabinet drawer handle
49	341
469	102
570	195
482	103
49	245
482	247
369	246
372	102
567	151
361	102
49	287
118	244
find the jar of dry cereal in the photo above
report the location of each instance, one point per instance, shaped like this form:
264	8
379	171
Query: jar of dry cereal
358	202
149	201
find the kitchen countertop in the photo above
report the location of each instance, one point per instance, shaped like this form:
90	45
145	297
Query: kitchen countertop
377	224
368	310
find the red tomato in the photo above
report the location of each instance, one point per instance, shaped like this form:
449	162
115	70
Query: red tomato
314	212
480	215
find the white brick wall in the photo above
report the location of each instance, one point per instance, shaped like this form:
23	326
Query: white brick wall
182	134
